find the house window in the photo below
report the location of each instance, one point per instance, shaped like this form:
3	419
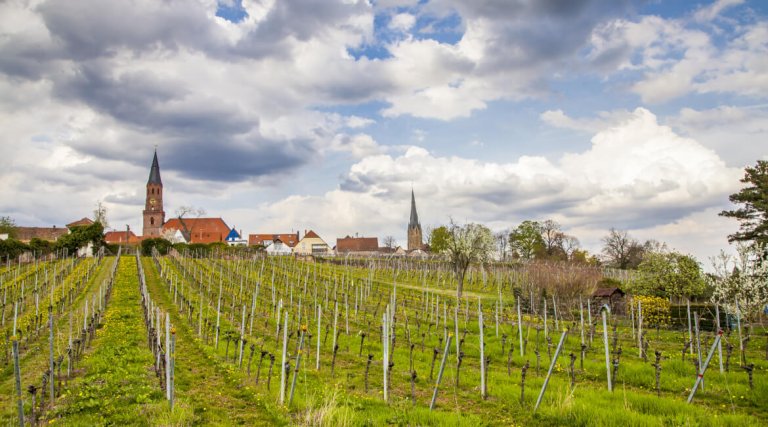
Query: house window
151	221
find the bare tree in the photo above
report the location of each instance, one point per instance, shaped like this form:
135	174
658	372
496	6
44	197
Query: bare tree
188	211
570	244
552	235
467	244
100	214
621	250
389	242
502	243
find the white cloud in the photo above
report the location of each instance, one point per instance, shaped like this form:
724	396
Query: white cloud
558	118
708	13
702	233
359	145
676	57
402	22
738	133
505	52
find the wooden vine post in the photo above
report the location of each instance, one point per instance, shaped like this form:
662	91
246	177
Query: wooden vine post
319	319
284	359
17	374
605	311
172	368
549	372
385	353
440	372
520	326
483	388
703	369
298	362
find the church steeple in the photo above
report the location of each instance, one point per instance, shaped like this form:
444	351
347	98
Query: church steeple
414	227
154	215
414	216
154	172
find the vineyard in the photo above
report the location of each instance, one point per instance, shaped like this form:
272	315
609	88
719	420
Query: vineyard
187	340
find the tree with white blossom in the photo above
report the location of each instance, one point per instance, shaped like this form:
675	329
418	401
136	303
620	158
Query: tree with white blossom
467	244
740	282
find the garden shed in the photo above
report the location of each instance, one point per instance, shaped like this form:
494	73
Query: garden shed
613	296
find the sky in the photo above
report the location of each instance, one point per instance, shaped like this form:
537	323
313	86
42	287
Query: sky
286	115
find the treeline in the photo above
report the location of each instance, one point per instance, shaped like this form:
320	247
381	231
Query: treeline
551	255
77	238
163	246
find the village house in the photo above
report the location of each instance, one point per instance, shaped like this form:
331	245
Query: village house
277	248
312	244
199	230
234	239
288	239
51	234
126	237
360	246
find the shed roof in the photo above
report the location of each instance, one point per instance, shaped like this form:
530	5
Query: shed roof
607	292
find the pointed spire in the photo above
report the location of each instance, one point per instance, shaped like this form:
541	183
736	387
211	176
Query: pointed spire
154	172
414	216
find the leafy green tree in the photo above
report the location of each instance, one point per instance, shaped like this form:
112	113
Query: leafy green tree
669	274
438	239
40	246
8	226
12	248
159	243
81	236
526	240
753	211
582	256
467	244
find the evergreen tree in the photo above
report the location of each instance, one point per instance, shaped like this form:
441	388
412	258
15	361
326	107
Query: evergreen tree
753	210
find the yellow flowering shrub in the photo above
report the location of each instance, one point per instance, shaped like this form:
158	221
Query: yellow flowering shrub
656	310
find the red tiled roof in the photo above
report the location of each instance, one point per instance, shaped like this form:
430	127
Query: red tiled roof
289	239
25	234
80	222
311	234
201	230
357	244
118	237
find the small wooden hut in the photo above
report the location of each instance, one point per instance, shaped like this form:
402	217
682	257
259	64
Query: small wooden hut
612	296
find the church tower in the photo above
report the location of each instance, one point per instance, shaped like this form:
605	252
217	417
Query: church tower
154	216
414	228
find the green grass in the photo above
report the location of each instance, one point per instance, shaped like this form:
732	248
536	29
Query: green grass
118	386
